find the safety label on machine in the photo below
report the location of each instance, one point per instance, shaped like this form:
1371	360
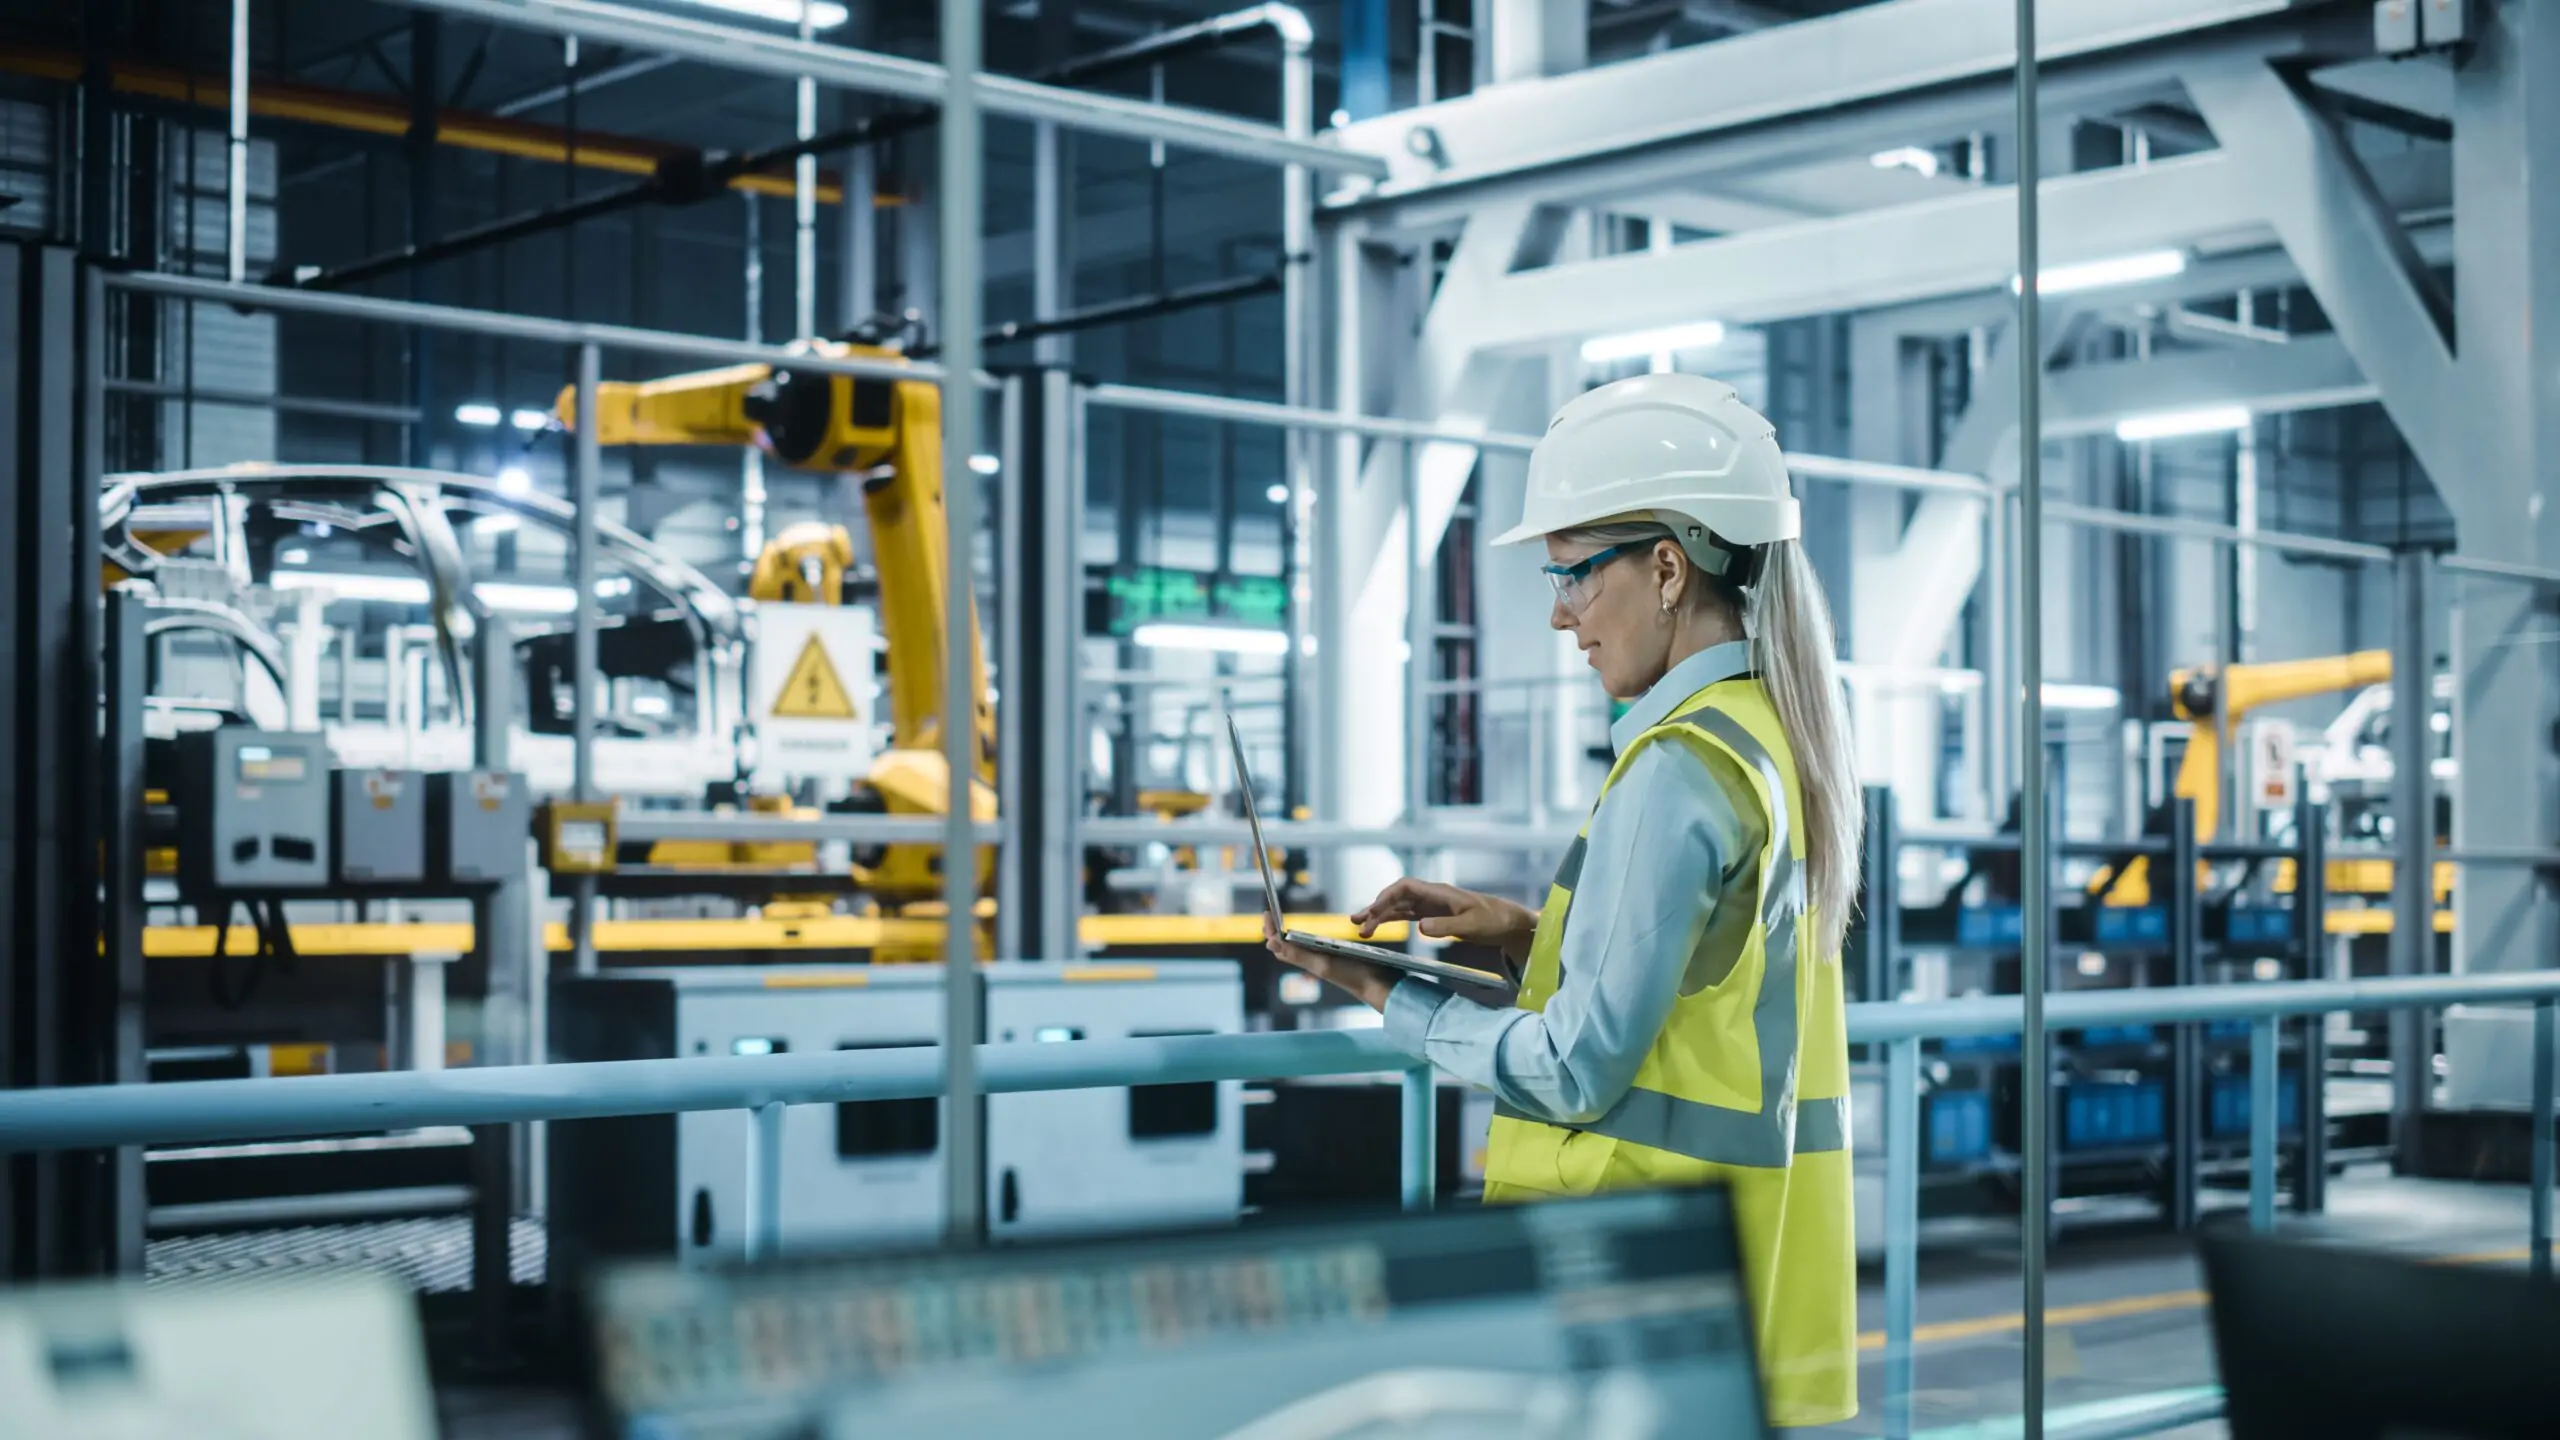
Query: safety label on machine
813	690
813	678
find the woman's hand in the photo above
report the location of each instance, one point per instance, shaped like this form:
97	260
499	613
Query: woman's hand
1369	984
1445	912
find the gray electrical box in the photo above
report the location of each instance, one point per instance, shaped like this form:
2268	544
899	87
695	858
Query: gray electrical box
2395	26
378	826
2444	22
478	822
253	811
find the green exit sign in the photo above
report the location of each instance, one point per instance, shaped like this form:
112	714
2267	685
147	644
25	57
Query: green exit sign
1126	600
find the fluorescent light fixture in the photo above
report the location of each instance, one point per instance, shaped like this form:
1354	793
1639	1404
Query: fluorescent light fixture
2081	697
515	480
295	556
498	524
823	14
394	589
529	420
648	704
2099	274
526	599
483	416
1906	157
2170	424
1228	639
1702	335
613	585
985	464
412	590
1278	494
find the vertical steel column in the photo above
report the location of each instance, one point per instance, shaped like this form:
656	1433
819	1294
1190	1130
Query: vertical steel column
2186	1042
1901	1229
1062	732
964	1174
804	195
426	30
1012	544
2262	1122
2538	1260
1298	324
2311	909
1417	666
236	196
1421	1139
1999	674
763	1231
2034	850
1881	909
2413	929
584	482
861	239
127	686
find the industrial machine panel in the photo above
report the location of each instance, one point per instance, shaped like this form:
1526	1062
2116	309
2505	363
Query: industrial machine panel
861	1175
1076	1161
253	811
868	1175
378	826
477	823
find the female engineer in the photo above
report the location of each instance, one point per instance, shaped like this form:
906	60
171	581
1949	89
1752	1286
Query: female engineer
1679	1015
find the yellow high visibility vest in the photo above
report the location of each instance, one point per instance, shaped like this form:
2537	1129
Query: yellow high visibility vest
1747	1085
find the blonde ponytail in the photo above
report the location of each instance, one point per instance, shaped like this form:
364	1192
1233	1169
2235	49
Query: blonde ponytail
1792	646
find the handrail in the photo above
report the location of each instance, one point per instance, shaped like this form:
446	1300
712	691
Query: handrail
217	1110
204	1111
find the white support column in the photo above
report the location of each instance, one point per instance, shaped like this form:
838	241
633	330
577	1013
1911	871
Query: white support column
2506	643
1530	39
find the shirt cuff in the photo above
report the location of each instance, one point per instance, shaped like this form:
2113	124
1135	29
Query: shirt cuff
1410	1009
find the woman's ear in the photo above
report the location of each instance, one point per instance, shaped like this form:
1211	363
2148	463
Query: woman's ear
1670	573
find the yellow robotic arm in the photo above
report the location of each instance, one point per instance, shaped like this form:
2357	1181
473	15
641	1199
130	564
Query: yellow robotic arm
2214	702
890	431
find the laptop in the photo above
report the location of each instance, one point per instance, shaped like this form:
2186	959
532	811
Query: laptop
1439	972
2320	1342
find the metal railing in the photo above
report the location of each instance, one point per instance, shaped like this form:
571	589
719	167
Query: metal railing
220	1110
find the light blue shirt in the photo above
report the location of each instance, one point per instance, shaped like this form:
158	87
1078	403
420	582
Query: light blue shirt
1667	844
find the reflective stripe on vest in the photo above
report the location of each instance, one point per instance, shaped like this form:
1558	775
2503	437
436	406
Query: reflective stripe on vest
1718	1134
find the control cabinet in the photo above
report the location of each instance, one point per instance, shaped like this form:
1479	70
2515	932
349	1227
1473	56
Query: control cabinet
253	812
477	824
868	1174
378	826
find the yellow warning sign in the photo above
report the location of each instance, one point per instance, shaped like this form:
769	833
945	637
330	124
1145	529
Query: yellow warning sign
814	691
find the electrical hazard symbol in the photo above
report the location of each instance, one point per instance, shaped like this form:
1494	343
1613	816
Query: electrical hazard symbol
813	691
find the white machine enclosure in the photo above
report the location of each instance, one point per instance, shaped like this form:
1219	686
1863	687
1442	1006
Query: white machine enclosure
868	1175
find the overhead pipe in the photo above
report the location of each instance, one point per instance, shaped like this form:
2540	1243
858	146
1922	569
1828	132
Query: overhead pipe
689	178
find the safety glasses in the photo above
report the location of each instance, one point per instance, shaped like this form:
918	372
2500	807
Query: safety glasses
1577	584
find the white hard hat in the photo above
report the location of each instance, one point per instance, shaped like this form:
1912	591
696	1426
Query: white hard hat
1683	449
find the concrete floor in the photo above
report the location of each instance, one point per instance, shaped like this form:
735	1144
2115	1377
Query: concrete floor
2125	1308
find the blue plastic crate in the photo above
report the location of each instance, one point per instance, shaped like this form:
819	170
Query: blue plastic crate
2258	925
1988	927
2117	1035
2226	1030
2230	1107
2133	925
2104	1116
1978	1045
1959	1127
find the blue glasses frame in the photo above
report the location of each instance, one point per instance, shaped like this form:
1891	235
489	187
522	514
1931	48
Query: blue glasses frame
1568	580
